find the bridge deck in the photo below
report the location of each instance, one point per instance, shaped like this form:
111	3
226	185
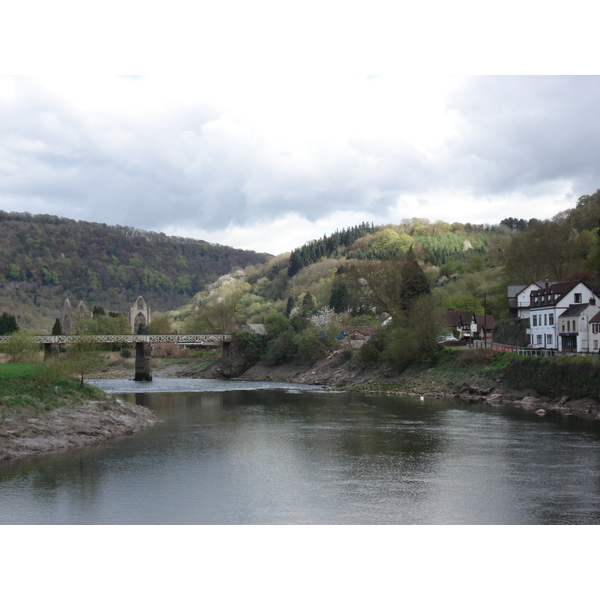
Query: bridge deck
197	338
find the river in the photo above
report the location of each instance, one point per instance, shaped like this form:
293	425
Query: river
254	453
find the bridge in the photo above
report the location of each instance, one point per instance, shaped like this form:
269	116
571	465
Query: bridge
143	345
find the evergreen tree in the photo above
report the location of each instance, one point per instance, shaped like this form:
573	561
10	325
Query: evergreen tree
290	306
414	281
8	324
57	328
308	304
338	301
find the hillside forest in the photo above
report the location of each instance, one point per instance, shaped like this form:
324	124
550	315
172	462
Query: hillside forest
44	259
407	274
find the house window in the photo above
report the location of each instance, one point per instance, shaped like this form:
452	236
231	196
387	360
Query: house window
550	319
595	344
595	329
539	340
549	339
568	325
563	325
577	298
535	320
545	319
574	329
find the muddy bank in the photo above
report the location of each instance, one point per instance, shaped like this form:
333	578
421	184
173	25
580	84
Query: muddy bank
26	432
338	371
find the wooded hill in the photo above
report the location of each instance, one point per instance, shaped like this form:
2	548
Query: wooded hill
44	258
465	264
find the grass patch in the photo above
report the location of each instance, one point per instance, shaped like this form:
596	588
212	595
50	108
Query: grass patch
39	387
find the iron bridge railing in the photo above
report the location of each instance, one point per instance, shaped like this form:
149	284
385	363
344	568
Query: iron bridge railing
197	338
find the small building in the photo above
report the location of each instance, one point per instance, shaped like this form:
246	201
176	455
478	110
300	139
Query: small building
573	327
519	298
462	323
485	327
255	328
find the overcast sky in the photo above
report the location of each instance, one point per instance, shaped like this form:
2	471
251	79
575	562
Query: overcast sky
282	122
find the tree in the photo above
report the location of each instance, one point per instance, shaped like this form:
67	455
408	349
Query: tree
81	360
21	347
338	301
8	324
375	284
414	281
464	301
57	327
160	324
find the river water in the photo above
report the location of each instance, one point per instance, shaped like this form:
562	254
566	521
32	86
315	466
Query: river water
253	453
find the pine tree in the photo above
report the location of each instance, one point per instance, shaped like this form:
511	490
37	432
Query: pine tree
57	328
8	324
414	281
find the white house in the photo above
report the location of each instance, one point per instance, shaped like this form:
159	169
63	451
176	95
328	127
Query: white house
573	327
548	303
519	298
594	332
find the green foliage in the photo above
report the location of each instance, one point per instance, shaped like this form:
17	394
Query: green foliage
575	376
464	301
100	263
160	324
21	347
254	345
413	281
80	361
325	247
37	386
8	324
57	327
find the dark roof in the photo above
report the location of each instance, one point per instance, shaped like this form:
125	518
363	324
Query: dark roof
595	318
552	293
574	310
456	318
490	322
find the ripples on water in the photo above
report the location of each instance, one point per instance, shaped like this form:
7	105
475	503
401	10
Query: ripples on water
271	453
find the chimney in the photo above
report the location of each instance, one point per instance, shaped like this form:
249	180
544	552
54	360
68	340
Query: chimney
593	301
547	284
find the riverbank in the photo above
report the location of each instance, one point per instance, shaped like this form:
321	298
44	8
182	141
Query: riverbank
471	376
41	411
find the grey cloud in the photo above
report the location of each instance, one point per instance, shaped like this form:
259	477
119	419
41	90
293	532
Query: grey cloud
200	167
519	132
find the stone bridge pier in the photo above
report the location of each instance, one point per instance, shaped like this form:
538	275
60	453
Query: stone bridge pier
143	361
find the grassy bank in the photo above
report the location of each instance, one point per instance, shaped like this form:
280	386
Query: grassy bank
460	371
39	387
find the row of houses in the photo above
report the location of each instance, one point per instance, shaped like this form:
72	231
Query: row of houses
563	315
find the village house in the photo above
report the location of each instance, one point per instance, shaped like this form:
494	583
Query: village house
549	303
594	332
519	299
462	323
573	327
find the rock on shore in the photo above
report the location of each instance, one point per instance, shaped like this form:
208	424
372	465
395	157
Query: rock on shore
25	433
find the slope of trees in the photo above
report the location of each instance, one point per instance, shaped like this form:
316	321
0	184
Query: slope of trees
46	256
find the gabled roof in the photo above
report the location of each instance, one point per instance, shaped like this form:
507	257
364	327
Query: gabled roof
574	310
595	318
552	293
490	322
457	318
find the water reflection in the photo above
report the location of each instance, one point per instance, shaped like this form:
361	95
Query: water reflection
308	456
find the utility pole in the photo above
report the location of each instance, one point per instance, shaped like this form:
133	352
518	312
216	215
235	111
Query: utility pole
485	320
